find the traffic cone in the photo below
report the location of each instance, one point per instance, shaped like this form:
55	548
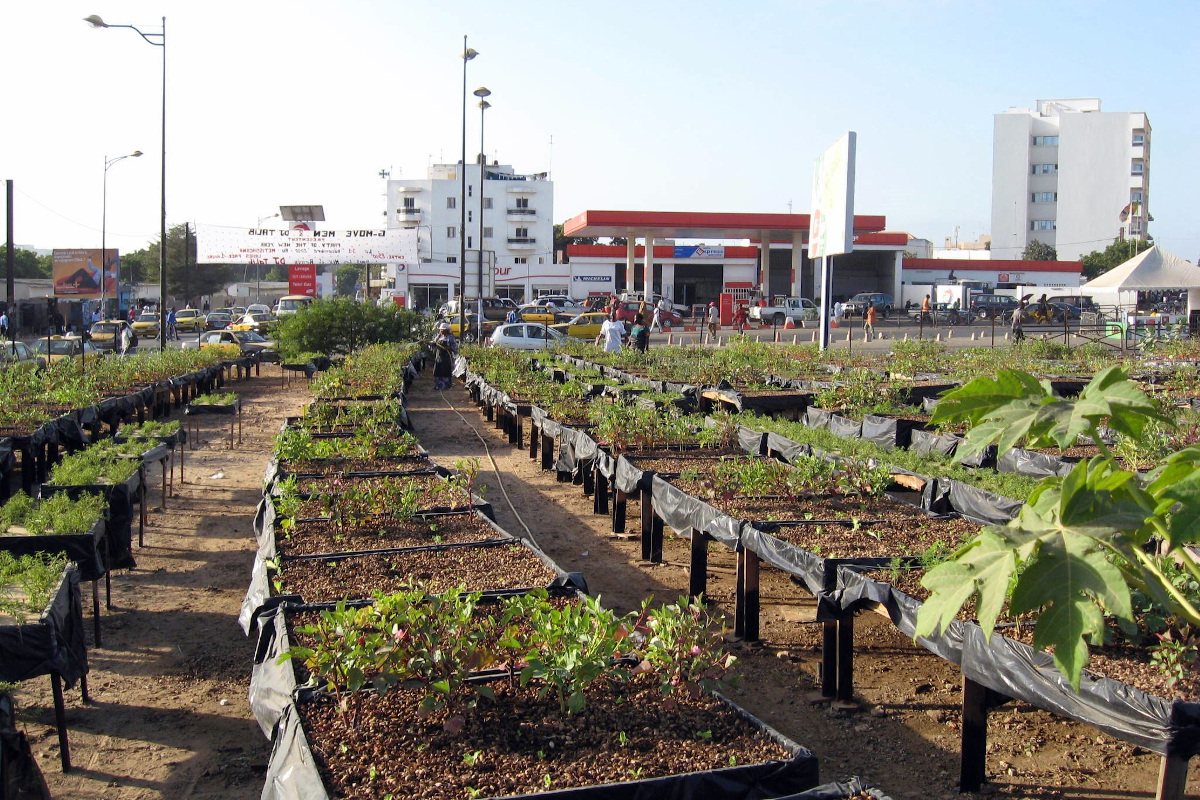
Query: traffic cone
789	324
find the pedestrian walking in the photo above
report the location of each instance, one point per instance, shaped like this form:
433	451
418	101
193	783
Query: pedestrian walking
128	340
870	317
639	334
741	318
4	324
172	325
445	348
714	319
1018	323
926	307
611	334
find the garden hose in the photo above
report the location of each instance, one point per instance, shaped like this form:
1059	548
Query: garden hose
495	469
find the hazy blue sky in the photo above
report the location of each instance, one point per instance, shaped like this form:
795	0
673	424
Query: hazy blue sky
649	105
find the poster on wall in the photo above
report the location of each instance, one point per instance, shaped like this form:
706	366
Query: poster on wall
216	244
77	274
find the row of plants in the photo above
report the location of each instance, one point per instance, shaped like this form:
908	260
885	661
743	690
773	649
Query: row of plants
104	463
377	370
27	583
57	515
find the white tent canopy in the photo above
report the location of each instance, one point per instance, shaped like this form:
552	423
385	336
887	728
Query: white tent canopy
1150	270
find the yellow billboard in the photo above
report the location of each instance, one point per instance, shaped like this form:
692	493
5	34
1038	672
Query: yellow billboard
77	274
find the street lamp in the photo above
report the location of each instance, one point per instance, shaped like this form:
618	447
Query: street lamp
108	162
484	105
467	55
258	267
158	40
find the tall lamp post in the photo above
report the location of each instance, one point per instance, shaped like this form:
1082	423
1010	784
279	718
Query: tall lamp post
484	105
158	40
108	162
258	267
467	55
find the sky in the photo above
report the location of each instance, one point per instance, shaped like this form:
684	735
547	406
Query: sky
664	106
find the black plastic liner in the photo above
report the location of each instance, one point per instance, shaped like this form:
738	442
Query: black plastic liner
55	643
978	504
852	787
292	774
844	427
682	512
1032	463
121	514
925	442
888	432
784	400
85	549
20	776
817	418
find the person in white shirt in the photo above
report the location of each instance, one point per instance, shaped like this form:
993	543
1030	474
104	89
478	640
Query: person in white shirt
714	320
4	324
611	335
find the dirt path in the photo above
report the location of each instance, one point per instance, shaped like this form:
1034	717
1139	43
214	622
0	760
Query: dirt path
169	716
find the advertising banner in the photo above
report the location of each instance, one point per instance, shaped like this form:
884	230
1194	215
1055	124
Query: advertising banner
302	279
832	215
77	274
699	251
217	244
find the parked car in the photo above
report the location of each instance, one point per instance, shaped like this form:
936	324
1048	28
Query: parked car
217	321
987	306
60	348
559	302
248	341
1059	312
1080	303
146	325
856	306
544	315
258	308
106	334
19	355
189	319
524	336
943	314
582	326
626	312
472	327
290	304
257	322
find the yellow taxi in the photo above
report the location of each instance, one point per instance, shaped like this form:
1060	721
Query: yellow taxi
472	326
106	334
584	326
543	314
146	325
189	319
63	348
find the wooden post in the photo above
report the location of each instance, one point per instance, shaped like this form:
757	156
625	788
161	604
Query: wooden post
618	512
973	764
647	529
547	452
845	657
600	497
60	719
1172	778
698	569
746	601
534	433
829	659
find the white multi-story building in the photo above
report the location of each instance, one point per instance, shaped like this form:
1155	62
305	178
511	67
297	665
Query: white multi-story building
514	237
1069	175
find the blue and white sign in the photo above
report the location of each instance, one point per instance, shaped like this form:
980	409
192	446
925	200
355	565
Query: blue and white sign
594	278
699	251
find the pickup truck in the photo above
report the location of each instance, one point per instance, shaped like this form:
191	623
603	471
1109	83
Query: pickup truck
797	309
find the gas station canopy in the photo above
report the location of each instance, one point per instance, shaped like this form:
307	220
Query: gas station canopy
702	225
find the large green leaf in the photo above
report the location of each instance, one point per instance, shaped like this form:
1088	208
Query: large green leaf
981	569
1111	398
975	401
1072	584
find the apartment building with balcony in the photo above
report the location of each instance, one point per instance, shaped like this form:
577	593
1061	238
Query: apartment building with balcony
515	250
1070	175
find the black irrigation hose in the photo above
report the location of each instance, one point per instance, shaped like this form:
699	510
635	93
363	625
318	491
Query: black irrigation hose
495	469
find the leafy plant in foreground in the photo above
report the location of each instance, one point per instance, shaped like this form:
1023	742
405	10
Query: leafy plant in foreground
1080	544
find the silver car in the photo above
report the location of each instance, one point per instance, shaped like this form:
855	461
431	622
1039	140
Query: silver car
524	336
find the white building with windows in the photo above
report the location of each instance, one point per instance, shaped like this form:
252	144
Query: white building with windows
510	227
1069	175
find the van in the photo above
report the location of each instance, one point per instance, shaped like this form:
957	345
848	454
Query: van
290	304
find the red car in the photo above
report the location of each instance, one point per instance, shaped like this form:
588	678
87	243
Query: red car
628	310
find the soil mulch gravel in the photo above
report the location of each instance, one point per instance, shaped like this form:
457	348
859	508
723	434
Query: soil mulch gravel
888	538
473	568
518	744
315	537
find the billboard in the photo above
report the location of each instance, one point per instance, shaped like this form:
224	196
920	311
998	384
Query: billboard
302	279
77	274
216	244
832	216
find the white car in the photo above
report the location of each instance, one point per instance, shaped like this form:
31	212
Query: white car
258	308
524	336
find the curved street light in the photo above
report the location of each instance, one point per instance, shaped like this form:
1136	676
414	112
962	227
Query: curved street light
484	105
108	162
158	40
467	55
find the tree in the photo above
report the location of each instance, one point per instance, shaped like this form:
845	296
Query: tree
1039	251
342	325
619	240
347	277
186	280
27	264
1097	263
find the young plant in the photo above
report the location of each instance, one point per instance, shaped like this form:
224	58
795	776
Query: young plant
682	649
